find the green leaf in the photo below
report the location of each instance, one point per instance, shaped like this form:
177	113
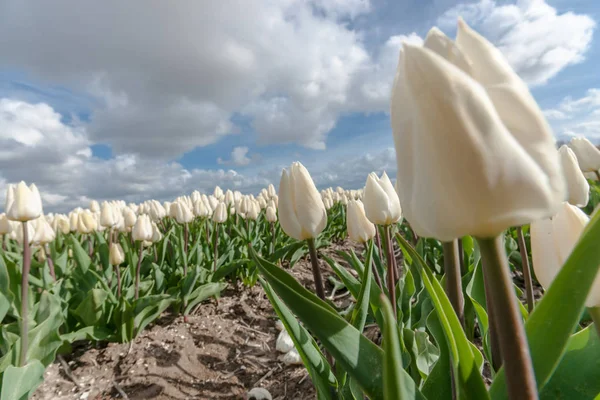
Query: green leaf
91	310
469	382
202	293
397	383
95	333
555	317
356	354
19	383
146	309
225	270
318	368
359	315
577	374
81	256
438	385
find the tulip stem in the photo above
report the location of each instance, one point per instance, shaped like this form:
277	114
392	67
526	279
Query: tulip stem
508	327
315	268
454	279
461	256
597	174
378	241
185	238
496	361
272	247
24	294
90	246
391	280
50	262
137	271
216	247
118	270
375	272
526	269
595	314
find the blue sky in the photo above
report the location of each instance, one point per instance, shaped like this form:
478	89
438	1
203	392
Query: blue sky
144	100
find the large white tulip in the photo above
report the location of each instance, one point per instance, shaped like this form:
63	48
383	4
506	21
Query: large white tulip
577	186
475	154
360	229
588	155
23	203
381	202
302	214
553	240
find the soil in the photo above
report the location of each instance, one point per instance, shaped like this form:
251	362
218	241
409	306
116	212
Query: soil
221	352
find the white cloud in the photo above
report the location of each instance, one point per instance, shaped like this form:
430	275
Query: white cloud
170	76
577	116
239	157
537	40
37	147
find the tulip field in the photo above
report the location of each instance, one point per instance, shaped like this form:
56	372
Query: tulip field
473	276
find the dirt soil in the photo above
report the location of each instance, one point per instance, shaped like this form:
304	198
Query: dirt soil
221	352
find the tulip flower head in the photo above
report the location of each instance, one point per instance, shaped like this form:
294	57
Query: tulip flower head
588	155
381	202
86	222
302	214
553	240
271	214
5	226
577	186
220	214
142	230
360	229
475	154
116	254
43	231
23	203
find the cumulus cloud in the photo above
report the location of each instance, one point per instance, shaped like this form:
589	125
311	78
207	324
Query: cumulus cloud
538	41
169	76
239	157
577	116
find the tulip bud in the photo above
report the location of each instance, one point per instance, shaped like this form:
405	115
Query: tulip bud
553	240
229	200
17	231
156	233
381	203
86	222
218	193
181	212
200	210
475	154
271	214
73	220
253	211
142	230
213	202
588	155
271	190
129	217
5	226
302	214
220	214
116	255
360	229
577	186
108	217
94	206
43	232
23	203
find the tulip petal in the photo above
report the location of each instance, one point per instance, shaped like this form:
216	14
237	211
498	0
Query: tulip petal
287	215
473	176
309	207
544	255
577	186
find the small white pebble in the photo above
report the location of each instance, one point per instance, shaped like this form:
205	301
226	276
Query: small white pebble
259	394
84	395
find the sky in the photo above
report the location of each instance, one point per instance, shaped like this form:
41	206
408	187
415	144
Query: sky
147	99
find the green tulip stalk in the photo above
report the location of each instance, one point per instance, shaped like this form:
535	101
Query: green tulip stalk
24	204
